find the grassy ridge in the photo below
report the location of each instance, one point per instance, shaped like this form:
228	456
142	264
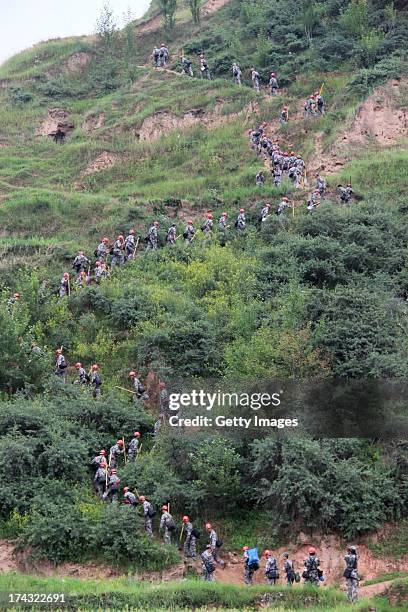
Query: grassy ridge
127	593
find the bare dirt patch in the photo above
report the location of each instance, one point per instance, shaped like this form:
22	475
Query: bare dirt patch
153	24
56	120
378	122
78	61
104	161
93	122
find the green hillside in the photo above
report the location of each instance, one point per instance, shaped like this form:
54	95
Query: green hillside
300	297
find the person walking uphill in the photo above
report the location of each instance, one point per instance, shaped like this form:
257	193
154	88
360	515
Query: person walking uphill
208	565
350	574
148	514
271	568
134	447
167	525
312	573
116	450
289	569
190	541
215	543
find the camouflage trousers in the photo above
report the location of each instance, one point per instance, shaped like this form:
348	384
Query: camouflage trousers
352	589
248	575
190	547
167	536
148	526
209	576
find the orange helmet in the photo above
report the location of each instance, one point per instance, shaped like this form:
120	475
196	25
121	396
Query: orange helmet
208	526
164	508
186	519
312	550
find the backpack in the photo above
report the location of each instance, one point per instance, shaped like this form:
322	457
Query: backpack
219	543
253	559
195	533
151	512
170	524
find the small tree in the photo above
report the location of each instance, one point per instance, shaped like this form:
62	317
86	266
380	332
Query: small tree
106	27
195	8
169	9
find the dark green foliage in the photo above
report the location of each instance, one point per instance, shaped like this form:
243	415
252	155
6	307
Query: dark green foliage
325	483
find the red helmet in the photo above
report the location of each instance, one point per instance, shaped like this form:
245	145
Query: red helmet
209	216
156	223
16	295
142	498
103	464
132	232
78	365
120	442
208	526
105	240
312	551
190	222
137	434
164	508
186	519
273	74
241	210
102	452
267	553
268	206
66	275
312	96
114	470
162	385
94	367
285	107
245	548
285	199
125	489
121	238
132	374
97	264
317	93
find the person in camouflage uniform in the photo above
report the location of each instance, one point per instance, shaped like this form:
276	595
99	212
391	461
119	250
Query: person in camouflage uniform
236	73
100	479
140	391
112	491
64	285
345	193
186	66
271	568
189	232
118	253
320	184
81	263
102	250
83	377
260	179
240	223
208	224
96	381
214	543
284	116
166	522
164	55
130	245
208	565
190	541
255	78
148	514
248	571
273	84
152	236
101	458
204	68
311	573
61	366
350	574
222	223
289	569
164	400
129	497
133	447
171	234
114	453
156	57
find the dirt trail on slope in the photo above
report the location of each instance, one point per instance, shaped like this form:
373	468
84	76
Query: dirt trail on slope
153	24
379	122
